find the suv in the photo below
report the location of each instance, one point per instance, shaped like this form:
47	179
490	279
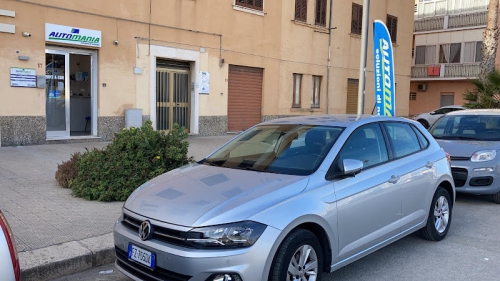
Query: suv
428	118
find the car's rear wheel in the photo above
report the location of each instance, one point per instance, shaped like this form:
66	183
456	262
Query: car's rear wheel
299	258
496	198
424	123
439	220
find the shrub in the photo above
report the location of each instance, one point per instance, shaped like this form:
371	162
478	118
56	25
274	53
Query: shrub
67	171
133	157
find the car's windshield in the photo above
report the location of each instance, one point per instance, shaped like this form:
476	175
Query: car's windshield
467	127
285	149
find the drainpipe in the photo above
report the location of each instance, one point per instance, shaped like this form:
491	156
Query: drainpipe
329	57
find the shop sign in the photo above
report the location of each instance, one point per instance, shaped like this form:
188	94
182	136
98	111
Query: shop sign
22	77
72	35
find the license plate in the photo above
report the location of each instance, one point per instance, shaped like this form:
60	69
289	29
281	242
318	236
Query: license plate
141	256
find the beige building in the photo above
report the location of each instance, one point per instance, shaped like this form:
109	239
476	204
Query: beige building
79	70
448	36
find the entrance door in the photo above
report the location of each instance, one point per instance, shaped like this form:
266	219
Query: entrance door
71	103
57	94
172	98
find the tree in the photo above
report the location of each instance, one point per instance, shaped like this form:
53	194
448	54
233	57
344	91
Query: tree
486	94
490	41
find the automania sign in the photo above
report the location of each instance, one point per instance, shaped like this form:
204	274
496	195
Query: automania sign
72	35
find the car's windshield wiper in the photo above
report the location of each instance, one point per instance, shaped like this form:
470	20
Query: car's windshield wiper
457	138
211	163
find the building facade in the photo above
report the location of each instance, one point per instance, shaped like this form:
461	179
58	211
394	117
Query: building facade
448	37
77	71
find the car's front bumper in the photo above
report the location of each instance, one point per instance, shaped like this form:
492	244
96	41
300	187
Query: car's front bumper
476	177
180	263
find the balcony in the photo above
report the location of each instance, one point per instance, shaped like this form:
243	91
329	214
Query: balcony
435	8
445	71
450	21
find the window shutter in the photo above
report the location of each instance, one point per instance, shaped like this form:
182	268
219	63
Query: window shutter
392	26
320	17
301	10
357	19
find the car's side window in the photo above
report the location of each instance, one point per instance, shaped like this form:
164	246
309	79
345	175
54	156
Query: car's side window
423	141
440	111
367	145
403	138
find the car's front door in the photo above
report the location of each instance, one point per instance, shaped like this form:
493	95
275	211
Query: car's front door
369	204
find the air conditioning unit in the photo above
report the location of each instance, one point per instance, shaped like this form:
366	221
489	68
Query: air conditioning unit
422	87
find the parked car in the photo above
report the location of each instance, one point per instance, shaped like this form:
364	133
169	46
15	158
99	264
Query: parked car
429	118
9	260
472	138
288	199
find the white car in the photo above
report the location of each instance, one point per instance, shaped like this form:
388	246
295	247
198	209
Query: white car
429	118
9	260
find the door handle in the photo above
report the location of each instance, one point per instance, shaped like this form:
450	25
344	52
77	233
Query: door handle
429	164
394	179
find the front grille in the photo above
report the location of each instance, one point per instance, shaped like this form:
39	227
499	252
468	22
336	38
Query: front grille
459	158
170	236
459	176
144	273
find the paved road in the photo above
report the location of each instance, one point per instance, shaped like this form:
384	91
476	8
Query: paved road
470	252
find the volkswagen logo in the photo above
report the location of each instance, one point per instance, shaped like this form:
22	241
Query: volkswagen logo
145	230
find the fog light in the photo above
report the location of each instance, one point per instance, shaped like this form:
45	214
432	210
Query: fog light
224	277
483	170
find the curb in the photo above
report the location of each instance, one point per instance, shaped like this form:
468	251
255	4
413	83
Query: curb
67	258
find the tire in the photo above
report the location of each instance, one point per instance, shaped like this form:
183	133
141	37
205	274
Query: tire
299	243
424	123
439	219
496	198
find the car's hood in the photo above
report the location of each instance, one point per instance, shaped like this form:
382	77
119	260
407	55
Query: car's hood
199	195
465	148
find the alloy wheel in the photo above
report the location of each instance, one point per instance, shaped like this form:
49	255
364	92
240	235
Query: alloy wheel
441	214
304	265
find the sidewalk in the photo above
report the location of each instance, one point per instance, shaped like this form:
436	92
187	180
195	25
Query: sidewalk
58	234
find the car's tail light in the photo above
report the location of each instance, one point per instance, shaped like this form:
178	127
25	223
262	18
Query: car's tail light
4	225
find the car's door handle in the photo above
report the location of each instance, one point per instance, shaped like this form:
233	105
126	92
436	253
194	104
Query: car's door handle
394	179
429	164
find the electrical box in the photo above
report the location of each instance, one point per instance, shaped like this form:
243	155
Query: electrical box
133	118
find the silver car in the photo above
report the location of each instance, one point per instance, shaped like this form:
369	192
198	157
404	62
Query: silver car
288	199
472	138
428	119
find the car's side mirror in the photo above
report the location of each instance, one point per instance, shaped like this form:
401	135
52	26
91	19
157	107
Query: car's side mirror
432	112
351	167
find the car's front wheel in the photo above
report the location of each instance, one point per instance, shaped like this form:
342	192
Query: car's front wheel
299	258
439	220
496	198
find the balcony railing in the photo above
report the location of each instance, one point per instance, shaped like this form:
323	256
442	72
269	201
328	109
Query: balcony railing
475	19
428	24
464	70
450	21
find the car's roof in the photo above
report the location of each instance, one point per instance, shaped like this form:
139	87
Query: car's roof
342	120
476	112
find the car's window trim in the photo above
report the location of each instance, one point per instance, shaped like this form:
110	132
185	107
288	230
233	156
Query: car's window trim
422	147
329	175
392	144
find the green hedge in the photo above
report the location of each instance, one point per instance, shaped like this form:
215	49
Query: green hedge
135	156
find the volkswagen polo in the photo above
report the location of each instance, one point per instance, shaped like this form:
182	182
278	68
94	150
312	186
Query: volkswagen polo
288	199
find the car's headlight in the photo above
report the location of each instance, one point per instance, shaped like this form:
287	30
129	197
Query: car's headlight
483	155
234	235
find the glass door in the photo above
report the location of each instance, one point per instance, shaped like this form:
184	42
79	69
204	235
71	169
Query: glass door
57	94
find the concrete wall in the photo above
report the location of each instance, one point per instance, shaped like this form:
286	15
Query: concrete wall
430	99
